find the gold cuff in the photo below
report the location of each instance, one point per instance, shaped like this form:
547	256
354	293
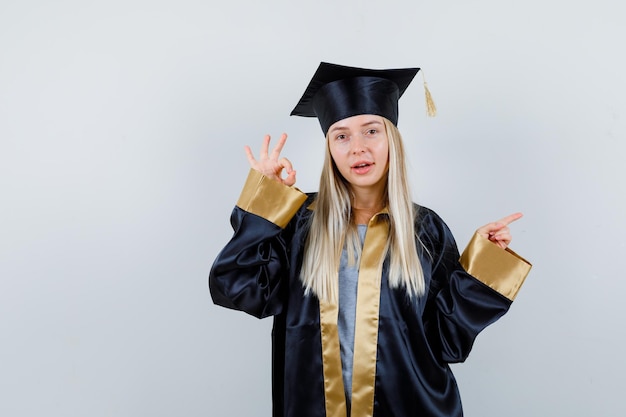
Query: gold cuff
270	199
502	270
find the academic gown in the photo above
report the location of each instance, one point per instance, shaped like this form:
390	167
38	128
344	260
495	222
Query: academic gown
403	345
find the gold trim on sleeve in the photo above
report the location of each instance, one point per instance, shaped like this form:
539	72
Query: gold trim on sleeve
270	199
502	270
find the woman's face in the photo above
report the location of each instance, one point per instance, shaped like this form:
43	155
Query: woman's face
360	148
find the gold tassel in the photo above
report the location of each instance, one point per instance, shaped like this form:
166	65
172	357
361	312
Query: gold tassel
431	109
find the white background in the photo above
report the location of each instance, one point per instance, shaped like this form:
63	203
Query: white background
122	126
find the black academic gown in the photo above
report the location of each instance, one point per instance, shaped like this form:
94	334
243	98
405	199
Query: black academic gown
258	273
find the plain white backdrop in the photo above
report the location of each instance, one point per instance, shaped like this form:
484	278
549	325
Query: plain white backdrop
122	126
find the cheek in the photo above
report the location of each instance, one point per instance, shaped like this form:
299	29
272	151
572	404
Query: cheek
383	152
337	154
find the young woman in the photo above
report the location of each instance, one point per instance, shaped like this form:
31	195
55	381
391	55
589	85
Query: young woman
370	298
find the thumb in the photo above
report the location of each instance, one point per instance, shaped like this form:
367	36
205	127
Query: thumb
290	179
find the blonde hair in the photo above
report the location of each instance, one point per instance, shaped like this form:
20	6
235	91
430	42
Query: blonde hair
332	226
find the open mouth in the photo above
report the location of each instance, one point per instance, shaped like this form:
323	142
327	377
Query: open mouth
362	167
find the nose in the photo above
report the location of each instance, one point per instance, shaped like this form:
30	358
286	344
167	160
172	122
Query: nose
357	144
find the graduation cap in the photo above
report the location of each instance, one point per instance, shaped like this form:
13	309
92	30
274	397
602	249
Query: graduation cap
337	92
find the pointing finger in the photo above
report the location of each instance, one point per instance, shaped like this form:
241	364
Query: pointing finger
510	218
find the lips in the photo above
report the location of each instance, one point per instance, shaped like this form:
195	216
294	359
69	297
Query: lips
362	167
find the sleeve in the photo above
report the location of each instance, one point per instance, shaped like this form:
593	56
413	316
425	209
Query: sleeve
247	274
472	291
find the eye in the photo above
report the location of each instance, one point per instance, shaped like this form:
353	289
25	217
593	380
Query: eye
340	136
371	132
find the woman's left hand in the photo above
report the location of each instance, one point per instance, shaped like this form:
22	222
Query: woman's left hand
498	232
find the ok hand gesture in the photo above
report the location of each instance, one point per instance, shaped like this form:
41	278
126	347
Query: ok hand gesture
271	165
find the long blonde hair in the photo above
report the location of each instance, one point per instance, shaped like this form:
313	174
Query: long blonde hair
332	226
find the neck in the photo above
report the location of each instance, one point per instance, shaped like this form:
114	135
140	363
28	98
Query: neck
367	198
366	205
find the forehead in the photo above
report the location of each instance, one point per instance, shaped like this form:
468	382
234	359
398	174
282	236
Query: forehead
357	122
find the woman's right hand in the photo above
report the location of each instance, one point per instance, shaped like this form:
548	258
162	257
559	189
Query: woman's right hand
271	165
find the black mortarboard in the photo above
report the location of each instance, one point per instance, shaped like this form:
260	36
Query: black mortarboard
336	92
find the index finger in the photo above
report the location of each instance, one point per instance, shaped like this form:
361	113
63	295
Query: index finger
510	218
